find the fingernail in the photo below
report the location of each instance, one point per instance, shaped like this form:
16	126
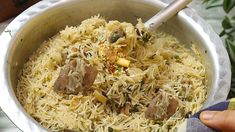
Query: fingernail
208	115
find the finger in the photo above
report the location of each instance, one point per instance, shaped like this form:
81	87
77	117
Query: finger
220	120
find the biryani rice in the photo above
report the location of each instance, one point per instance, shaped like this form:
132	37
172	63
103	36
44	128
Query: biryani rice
159	65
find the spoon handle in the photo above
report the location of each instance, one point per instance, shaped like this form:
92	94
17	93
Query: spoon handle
166	13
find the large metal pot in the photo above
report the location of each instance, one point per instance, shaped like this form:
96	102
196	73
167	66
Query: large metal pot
43	20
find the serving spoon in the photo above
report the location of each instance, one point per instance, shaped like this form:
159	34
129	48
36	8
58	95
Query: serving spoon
165	14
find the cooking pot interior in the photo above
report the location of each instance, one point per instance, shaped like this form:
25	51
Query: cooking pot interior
48	23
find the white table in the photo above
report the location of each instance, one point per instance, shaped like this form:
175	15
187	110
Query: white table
212	16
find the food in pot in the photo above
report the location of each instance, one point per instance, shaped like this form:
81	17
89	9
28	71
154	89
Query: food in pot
112	76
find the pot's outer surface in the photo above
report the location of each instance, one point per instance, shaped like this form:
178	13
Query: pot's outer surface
43	20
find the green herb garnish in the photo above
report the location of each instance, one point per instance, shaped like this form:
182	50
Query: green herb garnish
228	33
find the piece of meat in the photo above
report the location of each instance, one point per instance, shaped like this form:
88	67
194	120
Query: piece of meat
62	81
72	65
75	77
125	110
162	110
68	130
172	107
151	111
116	34
65	83
90	76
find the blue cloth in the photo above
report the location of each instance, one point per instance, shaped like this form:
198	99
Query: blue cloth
193	124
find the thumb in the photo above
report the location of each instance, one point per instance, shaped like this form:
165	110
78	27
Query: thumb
220	120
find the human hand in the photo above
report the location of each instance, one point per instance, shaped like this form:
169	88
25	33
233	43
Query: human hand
219	120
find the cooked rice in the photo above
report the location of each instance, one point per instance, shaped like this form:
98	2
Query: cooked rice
159	65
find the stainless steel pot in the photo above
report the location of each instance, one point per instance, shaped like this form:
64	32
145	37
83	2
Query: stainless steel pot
43	20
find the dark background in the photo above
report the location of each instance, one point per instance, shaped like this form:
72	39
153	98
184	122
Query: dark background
10	8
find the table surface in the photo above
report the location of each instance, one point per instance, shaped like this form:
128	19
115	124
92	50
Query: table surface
212	16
